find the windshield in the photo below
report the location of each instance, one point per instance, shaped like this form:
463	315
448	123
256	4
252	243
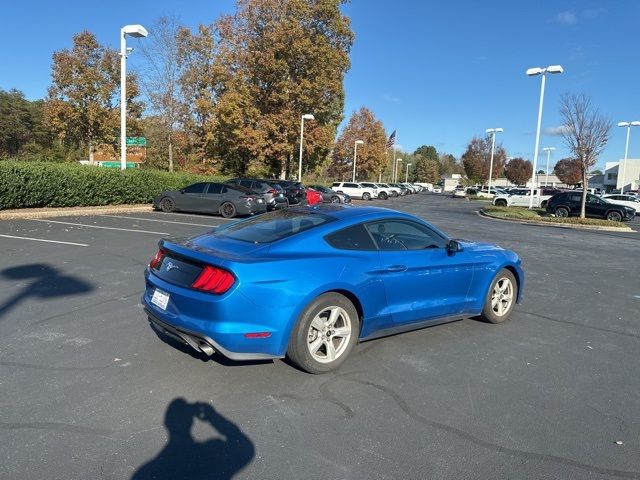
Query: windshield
274	226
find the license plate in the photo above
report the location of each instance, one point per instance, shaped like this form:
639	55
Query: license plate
160	299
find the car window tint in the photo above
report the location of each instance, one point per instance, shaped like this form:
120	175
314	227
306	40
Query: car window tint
215	188
335	184
352	185
575	197
351	238
270	227
404	235
246	183
240	189
195	188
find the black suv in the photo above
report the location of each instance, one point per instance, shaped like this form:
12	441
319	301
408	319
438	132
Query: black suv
294	191
567	204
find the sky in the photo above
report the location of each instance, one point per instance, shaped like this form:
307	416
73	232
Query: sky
440	72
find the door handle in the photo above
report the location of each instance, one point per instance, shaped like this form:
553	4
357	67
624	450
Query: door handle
396	268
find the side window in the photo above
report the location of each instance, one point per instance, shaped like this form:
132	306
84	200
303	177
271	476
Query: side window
404	235
335	184
575	197
352	185
593	200
215	188
195	188
351	238
246	183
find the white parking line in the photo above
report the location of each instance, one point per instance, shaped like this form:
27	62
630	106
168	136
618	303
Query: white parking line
159	221
48	241
95	226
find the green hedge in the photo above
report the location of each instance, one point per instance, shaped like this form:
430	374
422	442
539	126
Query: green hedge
46	184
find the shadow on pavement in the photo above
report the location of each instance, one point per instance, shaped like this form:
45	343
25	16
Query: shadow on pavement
218	458
45	282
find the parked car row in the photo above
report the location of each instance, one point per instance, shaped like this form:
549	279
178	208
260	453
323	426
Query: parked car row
244	196
370	190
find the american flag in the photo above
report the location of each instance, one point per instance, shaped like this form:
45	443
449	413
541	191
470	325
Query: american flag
392	140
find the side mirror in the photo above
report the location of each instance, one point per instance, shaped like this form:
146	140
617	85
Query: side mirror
453	246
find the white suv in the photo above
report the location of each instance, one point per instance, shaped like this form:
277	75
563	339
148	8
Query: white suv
521	197
393	191
383	193
355	190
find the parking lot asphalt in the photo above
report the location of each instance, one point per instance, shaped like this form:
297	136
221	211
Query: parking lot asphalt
87	390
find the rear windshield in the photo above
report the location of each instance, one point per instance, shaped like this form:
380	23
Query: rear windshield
274	226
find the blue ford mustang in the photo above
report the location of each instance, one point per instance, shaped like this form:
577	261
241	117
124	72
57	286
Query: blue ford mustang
310	282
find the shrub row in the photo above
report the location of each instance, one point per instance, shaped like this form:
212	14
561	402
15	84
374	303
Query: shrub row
47	184
541	216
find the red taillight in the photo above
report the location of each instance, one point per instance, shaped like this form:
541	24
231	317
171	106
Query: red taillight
213	280
273	191
157	260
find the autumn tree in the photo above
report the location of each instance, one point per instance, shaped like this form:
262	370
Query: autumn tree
586	133
82	105
569	171
477	159
161	79
372	156
286	58
518	171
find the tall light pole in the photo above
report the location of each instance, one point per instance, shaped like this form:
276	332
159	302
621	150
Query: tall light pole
137	31
548	150
395	178
406	175
626	147
493	132
532	72
355	156
306	116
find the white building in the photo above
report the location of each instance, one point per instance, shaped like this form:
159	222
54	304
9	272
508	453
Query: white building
622	174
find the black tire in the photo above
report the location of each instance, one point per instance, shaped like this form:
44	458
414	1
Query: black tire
394	194
614	216
167	205
335	199
301	341
543	204
501	203
366	196
489	312
228	210
383	196
562	212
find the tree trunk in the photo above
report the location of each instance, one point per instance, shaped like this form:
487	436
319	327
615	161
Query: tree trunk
90	153
584	192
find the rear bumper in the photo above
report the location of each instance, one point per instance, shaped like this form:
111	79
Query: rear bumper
220	321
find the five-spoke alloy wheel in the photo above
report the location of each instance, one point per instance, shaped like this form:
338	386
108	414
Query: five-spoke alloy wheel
501	297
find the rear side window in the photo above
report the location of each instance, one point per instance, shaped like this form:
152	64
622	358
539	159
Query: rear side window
351	238
335	184
195	188
351	185
215	188
575	197
270	227
246	183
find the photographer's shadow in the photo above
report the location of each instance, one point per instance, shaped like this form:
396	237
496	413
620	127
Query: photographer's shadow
185	458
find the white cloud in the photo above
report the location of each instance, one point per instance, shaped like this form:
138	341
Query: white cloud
555	131
567	18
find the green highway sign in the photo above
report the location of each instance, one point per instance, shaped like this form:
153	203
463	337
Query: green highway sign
136	141
116	164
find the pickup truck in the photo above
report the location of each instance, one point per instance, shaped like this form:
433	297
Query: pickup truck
521	198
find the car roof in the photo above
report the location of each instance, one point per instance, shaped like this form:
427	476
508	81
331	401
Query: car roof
343	212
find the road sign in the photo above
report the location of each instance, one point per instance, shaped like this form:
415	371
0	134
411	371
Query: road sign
117	164
136	141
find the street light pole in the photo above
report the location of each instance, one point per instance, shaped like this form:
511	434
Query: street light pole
493	132
626	147
532	72
546	177
395	178
137	31
406	175
355	156
306	116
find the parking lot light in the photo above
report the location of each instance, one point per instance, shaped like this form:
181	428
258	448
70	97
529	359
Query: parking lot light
532	72
546	177
306	116
355	155
137	31
406	175
493	132
626	148
395	177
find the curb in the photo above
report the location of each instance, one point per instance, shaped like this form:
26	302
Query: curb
560	225
72	211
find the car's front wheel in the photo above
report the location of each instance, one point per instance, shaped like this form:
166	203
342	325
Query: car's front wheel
614	216
501	203
501	297
366	196
326	332
167	205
